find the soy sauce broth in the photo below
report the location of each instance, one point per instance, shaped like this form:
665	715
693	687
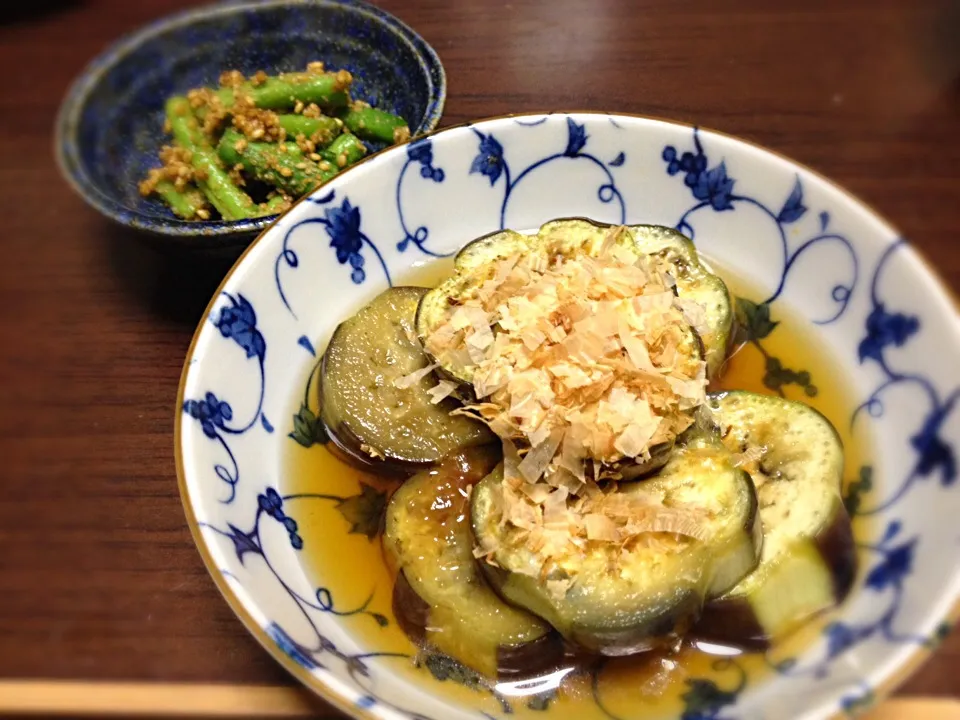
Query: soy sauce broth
352	566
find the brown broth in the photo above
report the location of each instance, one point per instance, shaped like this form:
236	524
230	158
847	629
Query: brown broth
353	567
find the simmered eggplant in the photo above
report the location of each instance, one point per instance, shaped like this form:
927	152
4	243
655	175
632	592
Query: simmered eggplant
629	569
809	561
573	335
712	314
441	598
695	282
376	413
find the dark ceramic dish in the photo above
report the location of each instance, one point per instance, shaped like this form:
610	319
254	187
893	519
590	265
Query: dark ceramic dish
110	126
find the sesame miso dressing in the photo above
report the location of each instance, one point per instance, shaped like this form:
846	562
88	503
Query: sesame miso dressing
352	566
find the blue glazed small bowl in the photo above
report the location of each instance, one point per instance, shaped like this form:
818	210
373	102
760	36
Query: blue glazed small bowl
110	126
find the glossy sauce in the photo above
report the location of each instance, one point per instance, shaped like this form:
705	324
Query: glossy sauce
353	568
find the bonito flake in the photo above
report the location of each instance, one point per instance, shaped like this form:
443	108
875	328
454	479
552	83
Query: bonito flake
581	363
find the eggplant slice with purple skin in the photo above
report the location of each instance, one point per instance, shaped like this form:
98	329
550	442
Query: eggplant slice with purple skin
809	561
476	263
441	599
620	604
694	279
371	421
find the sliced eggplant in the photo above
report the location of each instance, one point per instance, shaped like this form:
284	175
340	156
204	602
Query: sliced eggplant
371	420
618	603
566	328
695	282
441	598
475	264
809	561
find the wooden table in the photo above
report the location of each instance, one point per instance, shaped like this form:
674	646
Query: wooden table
99	579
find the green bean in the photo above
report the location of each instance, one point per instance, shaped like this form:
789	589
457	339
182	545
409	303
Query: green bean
343	151
227	198
322	128
224	210
184	203
283	91
372	124
281	165
272	206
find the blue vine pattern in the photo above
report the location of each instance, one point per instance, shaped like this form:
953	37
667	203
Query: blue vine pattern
894	563
342	225
703	699
893	555
706	700
271	504
885	329
713	188
419	152
237	321
491	163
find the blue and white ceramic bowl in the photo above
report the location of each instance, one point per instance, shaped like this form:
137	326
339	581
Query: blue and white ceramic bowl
809	247
110	126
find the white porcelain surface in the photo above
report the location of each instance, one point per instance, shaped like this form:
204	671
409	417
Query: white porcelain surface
808	245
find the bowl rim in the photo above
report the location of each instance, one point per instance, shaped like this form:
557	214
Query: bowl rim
66	125
881	690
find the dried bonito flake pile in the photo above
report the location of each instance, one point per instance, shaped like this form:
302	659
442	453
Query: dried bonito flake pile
581	362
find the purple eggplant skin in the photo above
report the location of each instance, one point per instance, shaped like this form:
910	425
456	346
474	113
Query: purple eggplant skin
527	660
732	620
809	561
372	424
440	597
613	614
838	548
410	610
517	662
671	622
733	623
344	443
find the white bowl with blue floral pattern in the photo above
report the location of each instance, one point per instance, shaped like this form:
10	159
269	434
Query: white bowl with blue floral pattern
890	325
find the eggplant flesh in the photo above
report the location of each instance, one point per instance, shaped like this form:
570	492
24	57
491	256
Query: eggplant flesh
620	604
371	421
695	281
808	562
577	236
441	599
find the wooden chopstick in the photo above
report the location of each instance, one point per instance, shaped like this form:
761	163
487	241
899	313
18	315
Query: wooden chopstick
126	699
262	701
